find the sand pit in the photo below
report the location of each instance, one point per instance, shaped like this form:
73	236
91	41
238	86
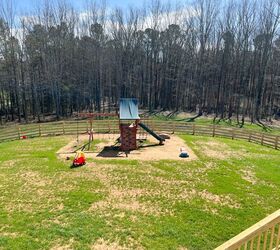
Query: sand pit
152	151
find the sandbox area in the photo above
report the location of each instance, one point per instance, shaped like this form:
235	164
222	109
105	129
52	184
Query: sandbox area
107	148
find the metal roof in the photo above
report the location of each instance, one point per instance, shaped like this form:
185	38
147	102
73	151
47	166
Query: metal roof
129	109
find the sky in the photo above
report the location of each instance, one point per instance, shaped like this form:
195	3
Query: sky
27	5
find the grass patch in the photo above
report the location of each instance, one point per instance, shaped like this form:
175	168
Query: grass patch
117	203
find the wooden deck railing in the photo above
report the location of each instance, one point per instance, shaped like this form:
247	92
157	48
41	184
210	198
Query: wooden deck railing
14	132
265	235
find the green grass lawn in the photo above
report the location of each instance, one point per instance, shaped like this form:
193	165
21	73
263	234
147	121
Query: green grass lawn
120	204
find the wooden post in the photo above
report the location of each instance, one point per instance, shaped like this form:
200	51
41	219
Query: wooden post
265	239
251	244
276	147
272	237
63	127
40	133
259	241
91	129
109	127
77	131
214	130
250	136
262	139
193	128
19	133
278	240
153	125
232	134
173	128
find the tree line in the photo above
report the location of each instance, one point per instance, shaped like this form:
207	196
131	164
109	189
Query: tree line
208	57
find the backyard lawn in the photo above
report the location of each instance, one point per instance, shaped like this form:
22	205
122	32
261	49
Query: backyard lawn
125	204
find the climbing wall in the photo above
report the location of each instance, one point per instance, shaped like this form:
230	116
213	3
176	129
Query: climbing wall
128	137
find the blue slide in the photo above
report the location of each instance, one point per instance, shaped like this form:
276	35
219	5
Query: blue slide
151	132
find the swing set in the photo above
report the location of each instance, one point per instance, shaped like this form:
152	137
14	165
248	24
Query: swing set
131	128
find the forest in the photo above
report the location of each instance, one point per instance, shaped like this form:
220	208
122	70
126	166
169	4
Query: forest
204	56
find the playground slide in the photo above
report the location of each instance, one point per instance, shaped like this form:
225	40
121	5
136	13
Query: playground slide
151	132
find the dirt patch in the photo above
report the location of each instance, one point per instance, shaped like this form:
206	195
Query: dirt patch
223	200
129	205
148	201
10	235
35	192
249	175
152	152
125	199
102	244
210	210
60	207
216	154
68	246
9	163
208	166
219	150
35	179
19	205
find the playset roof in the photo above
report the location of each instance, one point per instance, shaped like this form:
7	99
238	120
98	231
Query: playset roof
129	109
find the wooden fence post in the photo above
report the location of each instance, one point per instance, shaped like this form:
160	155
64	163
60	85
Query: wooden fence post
152	125
97	123
19	133
232	134
193	128
276	144
40	133
63	128
109	127
173	128
262	139
214	130
77	131
250	136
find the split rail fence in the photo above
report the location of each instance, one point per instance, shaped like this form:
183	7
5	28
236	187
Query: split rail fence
16	132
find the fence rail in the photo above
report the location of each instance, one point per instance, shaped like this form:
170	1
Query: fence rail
264	235
16	132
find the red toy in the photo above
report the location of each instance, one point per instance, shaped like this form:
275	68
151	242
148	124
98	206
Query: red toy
80	159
